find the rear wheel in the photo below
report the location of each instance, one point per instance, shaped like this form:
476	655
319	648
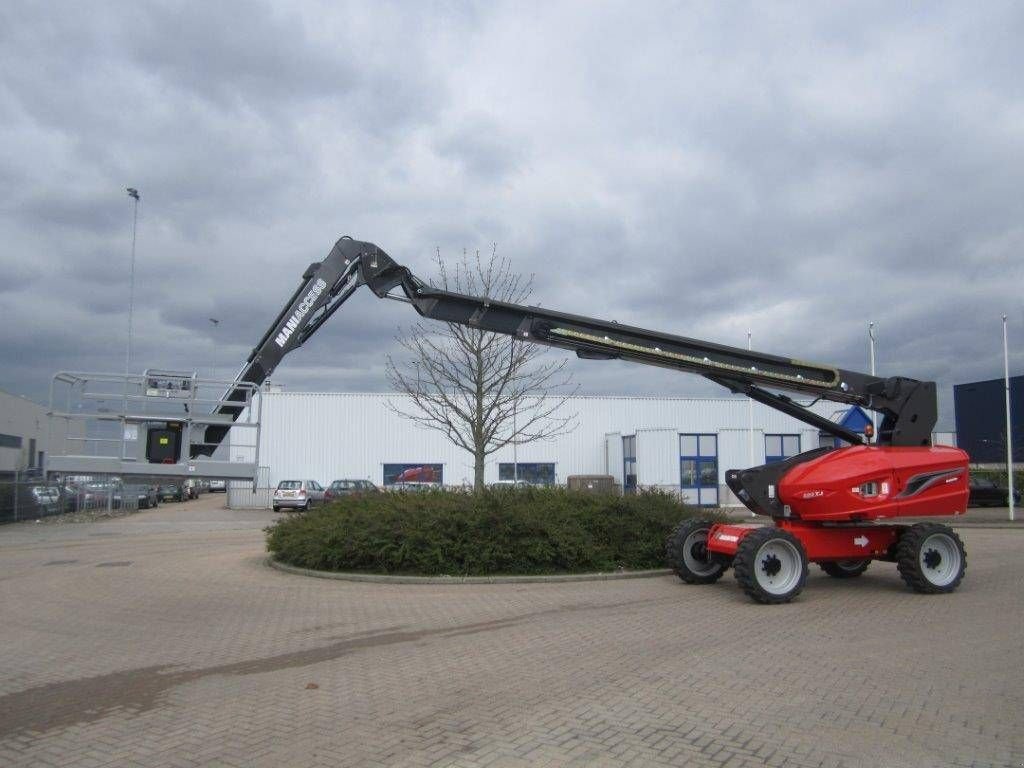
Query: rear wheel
931	558
277	509
845	569
771	565
687	553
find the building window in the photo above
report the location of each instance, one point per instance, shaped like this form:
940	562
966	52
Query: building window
780	447
535	473
698	469
10	441
413	473
629	464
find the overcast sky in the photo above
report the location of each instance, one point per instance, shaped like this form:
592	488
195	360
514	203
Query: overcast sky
695	168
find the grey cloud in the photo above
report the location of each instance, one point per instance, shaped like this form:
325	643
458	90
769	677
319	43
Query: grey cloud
484	149
793	171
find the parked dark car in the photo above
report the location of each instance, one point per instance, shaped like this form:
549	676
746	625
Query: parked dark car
987	493
98	495
46	499
340	488
143	495
172	492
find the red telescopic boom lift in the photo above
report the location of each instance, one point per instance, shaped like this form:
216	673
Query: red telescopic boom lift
827	505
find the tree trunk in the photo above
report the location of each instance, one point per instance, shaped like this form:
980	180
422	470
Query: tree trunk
478	471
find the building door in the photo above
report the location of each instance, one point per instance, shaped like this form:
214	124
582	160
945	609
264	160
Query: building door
629	464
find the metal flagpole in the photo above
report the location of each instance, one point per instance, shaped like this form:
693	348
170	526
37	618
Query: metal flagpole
874	416
750	417
515	407
1009	433
750	420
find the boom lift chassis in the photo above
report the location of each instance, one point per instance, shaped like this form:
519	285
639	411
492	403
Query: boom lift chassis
826	504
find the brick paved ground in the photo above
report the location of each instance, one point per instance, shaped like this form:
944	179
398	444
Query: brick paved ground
162	640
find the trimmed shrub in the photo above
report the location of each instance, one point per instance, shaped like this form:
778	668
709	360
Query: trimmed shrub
497	531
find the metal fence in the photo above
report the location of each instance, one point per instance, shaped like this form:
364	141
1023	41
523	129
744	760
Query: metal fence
242	496
34	498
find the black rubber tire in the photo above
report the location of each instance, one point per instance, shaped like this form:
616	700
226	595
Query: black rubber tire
909	552
748	565
277	509
676	557
845	569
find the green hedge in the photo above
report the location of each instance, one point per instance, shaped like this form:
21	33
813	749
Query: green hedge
502	531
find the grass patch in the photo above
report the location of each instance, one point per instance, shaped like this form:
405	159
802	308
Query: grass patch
500	531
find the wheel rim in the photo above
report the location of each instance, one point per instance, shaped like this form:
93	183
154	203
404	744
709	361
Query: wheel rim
695	554
778	567
939	559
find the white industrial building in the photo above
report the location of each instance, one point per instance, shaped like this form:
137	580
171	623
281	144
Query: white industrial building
681	444
25	435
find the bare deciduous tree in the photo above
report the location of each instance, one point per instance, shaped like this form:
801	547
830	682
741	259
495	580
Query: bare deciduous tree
482	390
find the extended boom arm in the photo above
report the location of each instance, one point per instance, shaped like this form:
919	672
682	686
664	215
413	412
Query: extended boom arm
908	407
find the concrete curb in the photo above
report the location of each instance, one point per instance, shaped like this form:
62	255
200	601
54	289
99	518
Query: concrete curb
383	579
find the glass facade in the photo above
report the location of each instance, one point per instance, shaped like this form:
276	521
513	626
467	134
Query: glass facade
535	473
780	447
698	469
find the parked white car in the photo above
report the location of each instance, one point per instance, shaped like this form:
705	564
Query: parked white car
218	486
297	494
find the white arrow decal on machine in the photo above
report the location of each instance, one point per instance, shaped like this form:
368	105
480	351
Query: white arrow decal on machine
861	541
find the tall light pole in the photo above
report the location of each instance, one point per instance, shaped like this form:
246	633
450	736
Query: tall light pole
1009	433
134	194
216	323
871	338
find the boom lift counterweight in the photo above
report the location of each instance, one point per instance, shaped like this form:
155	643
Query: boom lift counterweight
823	502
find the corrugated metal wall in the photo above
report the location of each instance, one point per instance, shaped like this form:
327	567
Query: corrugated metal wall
325	436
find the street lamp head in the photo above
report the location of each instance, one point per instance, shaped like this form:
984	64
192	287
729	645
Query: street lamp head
214	320
133	192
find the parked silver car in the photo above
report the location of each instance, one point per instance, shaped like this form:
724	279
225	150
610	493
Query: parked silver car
297	494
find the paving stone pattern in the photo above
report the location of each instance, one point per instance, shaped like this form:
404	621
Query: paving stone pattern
162	639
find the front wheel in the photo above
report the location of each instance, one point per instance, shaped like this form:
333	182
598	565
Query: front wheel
931	558
771	565
845	569
687	553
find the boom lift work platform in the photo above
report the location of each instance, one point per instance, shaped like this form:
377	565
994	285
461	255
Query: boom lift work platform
826	504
